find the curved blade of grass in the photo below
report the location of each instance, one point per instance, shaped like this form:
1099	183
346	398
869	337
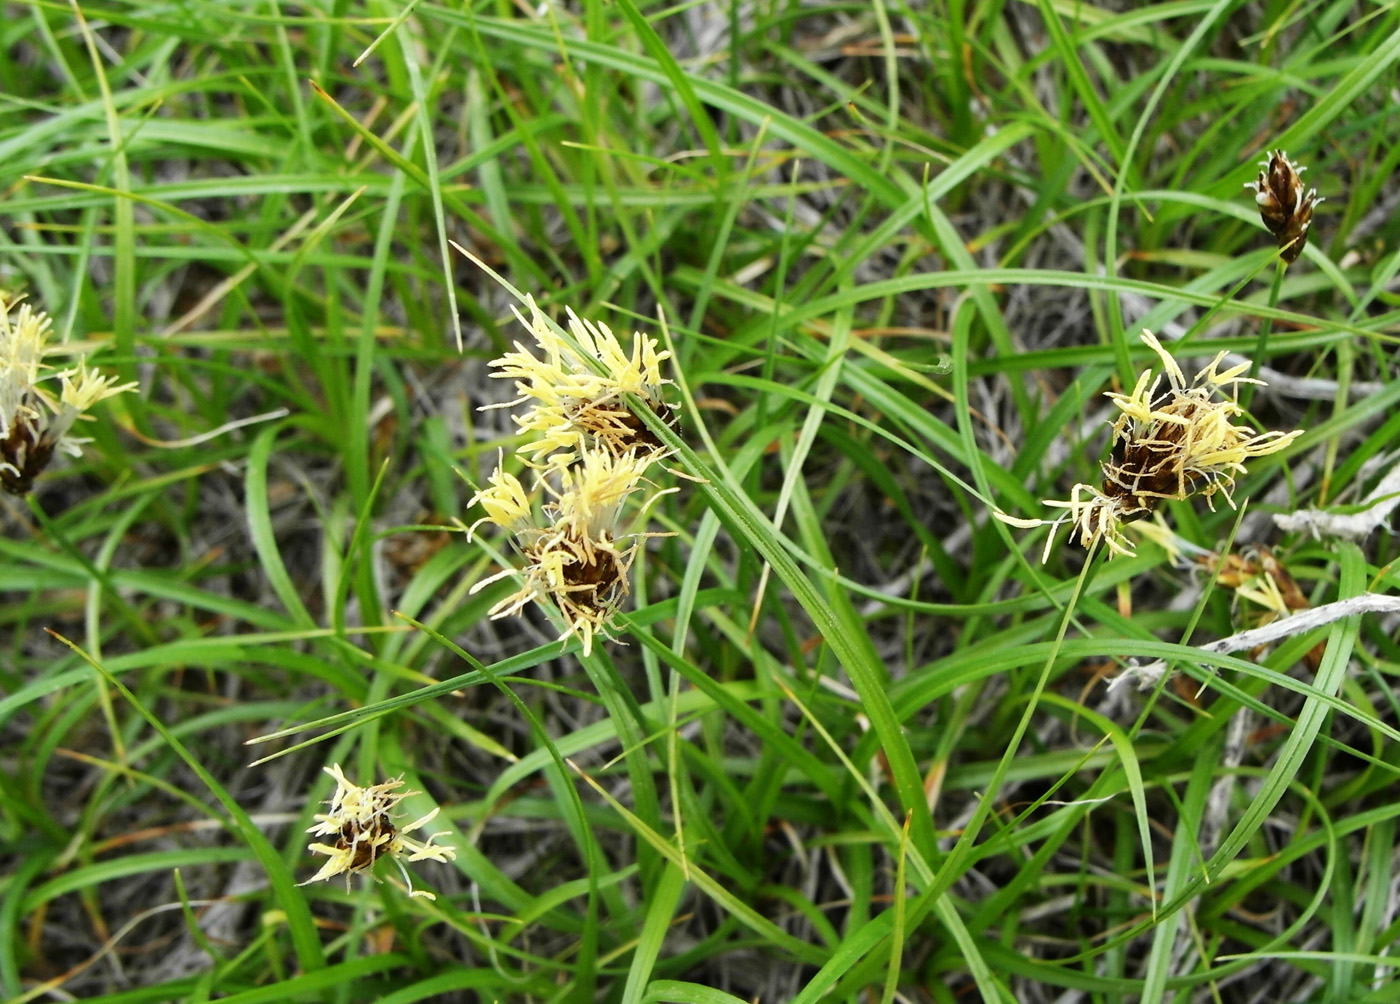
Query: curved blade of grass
1132	771
661	907
1341	95
575	817
935	884
1120	182
837	625
737	908
260	526
676	992
300	923
683	84
1330	675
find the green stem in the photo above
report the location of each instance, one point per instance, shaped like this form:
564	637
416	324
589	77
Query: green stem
1262	343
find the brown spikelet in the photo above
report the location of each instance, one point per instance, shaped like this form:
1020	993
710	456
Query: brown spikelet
362	824
1285	207
1169	442
25	450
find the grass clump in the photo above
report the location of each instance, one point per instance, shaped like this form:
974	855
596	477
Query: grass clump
816	727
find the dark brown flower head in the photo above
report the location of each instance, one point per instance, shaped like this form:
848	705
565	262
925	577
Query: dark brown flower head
1283	204
1169	442
580	560
362	823
25	450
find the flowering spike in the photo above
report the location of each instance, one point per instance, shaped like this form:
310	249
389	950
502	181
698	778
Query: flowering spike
573	404
34	423
362	822
1283	204
1168	445
592	452
579	562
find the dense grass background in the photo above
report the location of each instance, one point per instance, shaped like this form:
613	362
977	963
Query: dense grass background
857	744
